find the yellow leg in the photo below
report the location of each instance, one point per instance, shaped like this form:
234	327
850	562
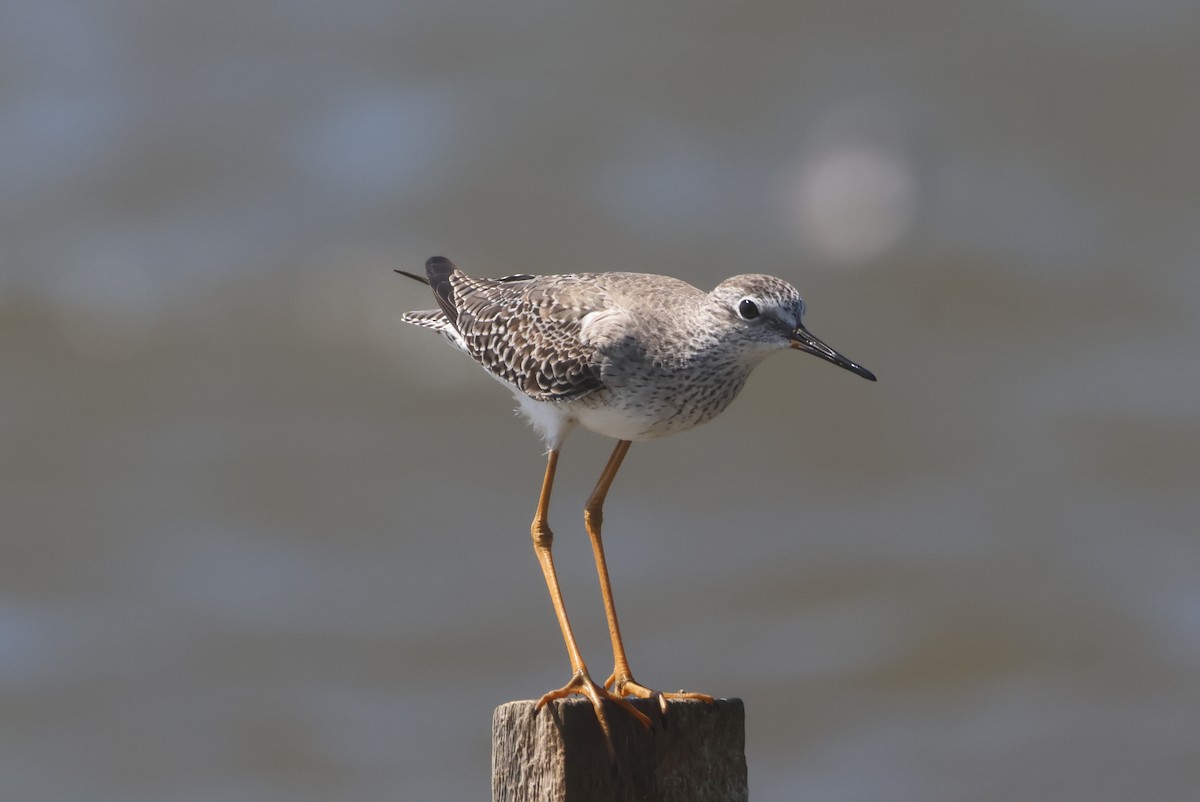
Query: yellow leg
621	681
580	682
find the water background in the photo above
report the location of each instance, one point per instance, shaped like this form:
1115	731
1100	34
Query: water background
261	541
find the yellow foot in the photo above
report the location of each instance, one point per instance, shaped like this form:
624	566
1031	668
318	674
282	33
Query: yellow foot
583	684
624	685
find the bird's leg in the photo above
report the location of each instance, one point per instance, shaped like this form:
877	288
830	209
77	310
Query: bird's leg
621	681
580	682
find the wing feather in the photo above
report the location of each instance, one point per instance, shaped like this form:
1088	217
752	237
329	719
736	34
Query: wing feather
525	330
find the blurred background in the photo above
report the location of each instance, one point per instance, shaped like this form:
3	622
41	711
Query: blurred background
261	541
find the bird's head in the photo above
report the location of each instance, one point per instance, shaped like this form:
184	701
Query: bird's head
769	312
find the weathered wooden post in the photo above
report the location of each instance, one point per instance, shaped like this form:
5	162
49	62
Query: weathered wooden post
558	755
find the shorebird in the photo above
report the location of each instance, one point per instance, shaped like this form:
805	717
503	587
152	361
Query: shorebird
631	356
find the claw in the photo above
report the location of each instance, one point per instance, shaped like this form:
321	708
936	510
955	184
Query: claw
584	685
624	685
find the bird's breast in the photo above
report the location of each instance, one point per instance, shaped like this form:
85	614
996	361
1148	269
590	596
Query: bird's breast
642	400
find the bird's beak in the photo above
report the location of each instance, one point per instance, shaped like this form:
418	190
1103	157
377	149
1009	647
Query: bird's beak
803	340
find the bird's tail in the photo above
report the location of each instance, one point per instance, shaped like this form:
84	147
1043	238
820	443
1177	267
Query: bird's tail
438	270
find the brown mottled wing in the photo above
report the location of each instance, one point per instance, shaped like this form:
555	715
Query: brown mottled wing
526	331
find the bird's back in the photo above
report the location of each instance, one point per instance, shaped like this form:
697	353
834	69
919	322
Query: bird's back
546	336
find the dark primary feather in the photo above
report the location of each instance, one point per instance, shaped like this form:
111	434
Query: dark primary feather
439	269
413	276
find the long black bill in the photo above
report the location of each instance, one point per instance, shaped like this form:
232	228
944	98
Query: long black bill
803	340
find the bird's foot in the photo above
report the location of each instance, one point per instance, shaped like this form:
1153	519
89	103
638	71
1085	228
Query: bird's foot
622	684
581	683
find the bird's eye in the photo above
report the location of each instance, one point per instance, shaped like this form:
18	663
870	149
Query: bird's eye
748	309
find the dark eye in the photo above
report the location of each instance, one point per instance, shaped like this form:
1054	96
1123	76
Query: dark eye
748	309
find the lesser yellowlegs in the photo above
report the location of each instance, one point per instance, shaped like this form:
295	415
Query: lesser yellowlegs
632	356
